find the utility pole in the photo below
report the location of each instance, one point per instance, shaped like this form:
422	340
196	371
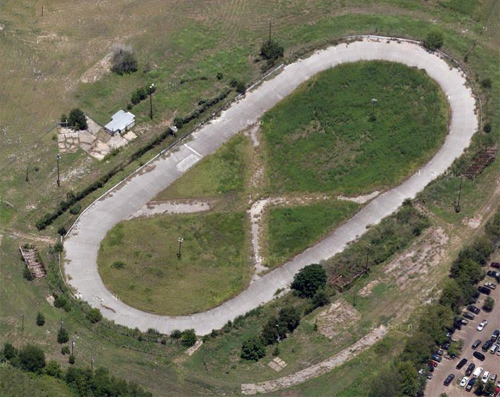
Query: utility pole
151	100
91	363
270	28
457	203
180	240
72	347
42	10
22	322
58	157
27	173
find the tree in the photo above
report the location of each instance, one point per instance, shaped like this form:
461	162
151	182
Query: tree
32	358
188	338
489	388
308	280
9	351
434	40
385	384
123	61
176	334
271	50
241	88
94	315
77	119
62	336
253	349
40	319
320	298
488	304
289	318
272	331
53	369
409	384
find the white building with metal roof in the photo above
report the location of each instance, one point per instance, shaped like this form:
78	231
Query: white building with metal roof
121	121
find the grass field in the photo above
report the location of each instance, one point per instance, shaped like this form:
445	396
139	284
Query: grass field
225	172
333	144
213	266
292	229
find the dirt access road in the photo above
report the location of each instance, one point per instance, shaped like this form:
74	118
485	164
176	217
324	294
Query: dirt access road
83	241
469	334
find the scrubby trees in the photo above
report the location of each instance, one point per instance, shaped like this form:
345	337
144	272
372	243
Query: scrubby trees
62	336
123	61
434	40
308	280
40	319
94	315
188	338
489	303
253	349
31	358
271	50
76	120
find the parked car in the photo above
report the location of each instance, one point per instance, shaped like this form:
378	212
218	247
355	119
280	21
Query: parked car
490	285
493	377
433	363
469	369
484	290
482	324
495	335
464	381
477	373
494	349
479	356
473	309
463	321
494	274
446	345
470	385
462	362
485	377
487	345
449	379
437	358
469	316
496	265
476	344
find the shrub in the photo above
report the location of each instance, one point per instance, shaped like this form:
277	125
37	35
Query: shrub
94	315
62	231
486	83
71	359
123	61
176	334
9	351
308	280
289	318
27	274
75	210
488	304
58	247
220	76
62	336
320	298
65	350
40	319
188	338
77	119
487	128
32	358
271	50
53	369
434	40
241	88
253	349
119	265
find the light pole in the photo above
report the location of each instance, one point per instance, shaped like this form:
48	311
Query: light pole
180	240
374	103
367	252
27	173
457	203
72	347
151	88
58	157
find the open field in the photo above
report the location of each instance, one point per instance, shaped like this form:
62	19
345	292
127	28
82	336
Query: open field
356	128
41	80
292	229
138	261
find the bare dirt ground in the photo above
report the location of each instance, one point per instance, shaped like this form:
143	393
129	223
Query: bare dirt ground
334	320
97	71
319	369
360	199
172	207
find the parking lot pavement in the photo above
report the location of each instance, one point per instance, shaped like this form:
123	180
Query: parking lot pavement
469	334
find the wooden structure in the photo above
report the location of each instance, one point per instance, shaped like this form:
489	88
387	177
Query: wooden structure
480	162
33	262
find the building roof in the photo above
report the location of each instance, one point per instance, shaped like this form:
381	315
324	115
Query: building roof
120	121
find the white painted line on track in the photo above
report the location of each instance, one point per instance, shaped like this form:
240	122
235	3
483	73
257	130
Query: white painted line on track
194	151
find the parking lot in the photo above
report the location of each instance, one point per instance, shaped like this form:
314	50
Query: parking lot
469	334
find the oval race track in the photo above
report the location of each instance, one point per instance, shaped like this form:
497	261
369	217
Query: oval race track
83	241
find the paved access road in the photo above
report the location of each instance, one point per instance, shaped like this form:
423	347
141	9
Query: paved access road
82	243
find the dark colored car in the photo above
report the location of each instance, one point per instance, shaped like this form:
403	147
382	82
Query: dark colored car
495	335
479	356
487	345
496	265
470	385
462	362
484	290
445	346
493	274
469	369
437	358
473	309
449	379
469	316
476	344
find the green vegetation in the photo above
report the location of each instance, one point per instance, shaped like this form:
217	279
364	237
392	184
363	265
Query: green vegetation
489	304
253	349
293	229
225	172
40	319
331	144
76	120
212	268
123	61
434	40
188	338
309	280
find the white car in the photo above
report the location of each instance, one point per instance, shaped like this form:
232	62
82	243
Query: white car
481	325
464	381
485	377
477	372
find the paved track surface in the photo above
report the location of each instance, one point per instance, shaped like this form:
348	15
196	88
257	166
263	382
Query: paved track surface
82	243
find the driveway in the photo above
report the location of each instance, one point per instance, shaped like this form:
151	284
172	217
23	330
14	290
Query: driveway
469	334
83	241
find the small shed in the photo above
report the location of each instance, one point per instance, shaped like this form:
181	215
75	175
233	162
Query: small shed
120	122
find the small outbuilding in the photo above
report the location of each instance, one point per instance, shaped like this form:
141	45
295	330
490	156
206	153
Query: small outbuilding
120	122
